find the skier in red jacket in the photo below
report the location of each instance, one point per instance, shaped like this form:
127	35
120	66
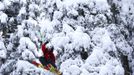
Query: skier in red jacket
48	56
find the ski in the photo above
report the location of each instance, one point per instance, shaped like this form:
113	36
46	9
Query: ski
48	67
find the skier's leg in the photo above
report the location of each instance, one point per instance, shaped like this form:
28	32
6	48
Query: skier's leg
43	61
53	64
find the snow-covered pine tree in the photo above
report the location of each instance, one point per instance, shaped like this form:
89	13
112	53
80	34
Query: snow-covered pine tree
104	28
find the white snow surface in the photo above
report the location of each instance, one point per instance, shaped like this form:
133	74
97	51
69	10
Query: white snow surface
25	41
3	17
3	51
2	7
102	39
73	2
28	68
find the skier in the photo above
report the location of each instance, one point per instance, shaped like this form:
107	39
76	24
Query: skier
48	59
48	56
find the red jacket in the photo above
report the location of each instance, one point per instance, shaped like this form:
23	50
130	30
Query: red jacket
47	54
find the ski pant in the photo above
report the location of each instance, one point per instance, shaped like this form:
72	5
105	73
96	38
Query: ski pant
45	62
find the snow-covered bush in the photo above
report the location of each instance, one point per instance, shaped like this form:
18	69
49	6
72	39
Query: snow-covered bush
26	43
104	28
3	51
3	19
